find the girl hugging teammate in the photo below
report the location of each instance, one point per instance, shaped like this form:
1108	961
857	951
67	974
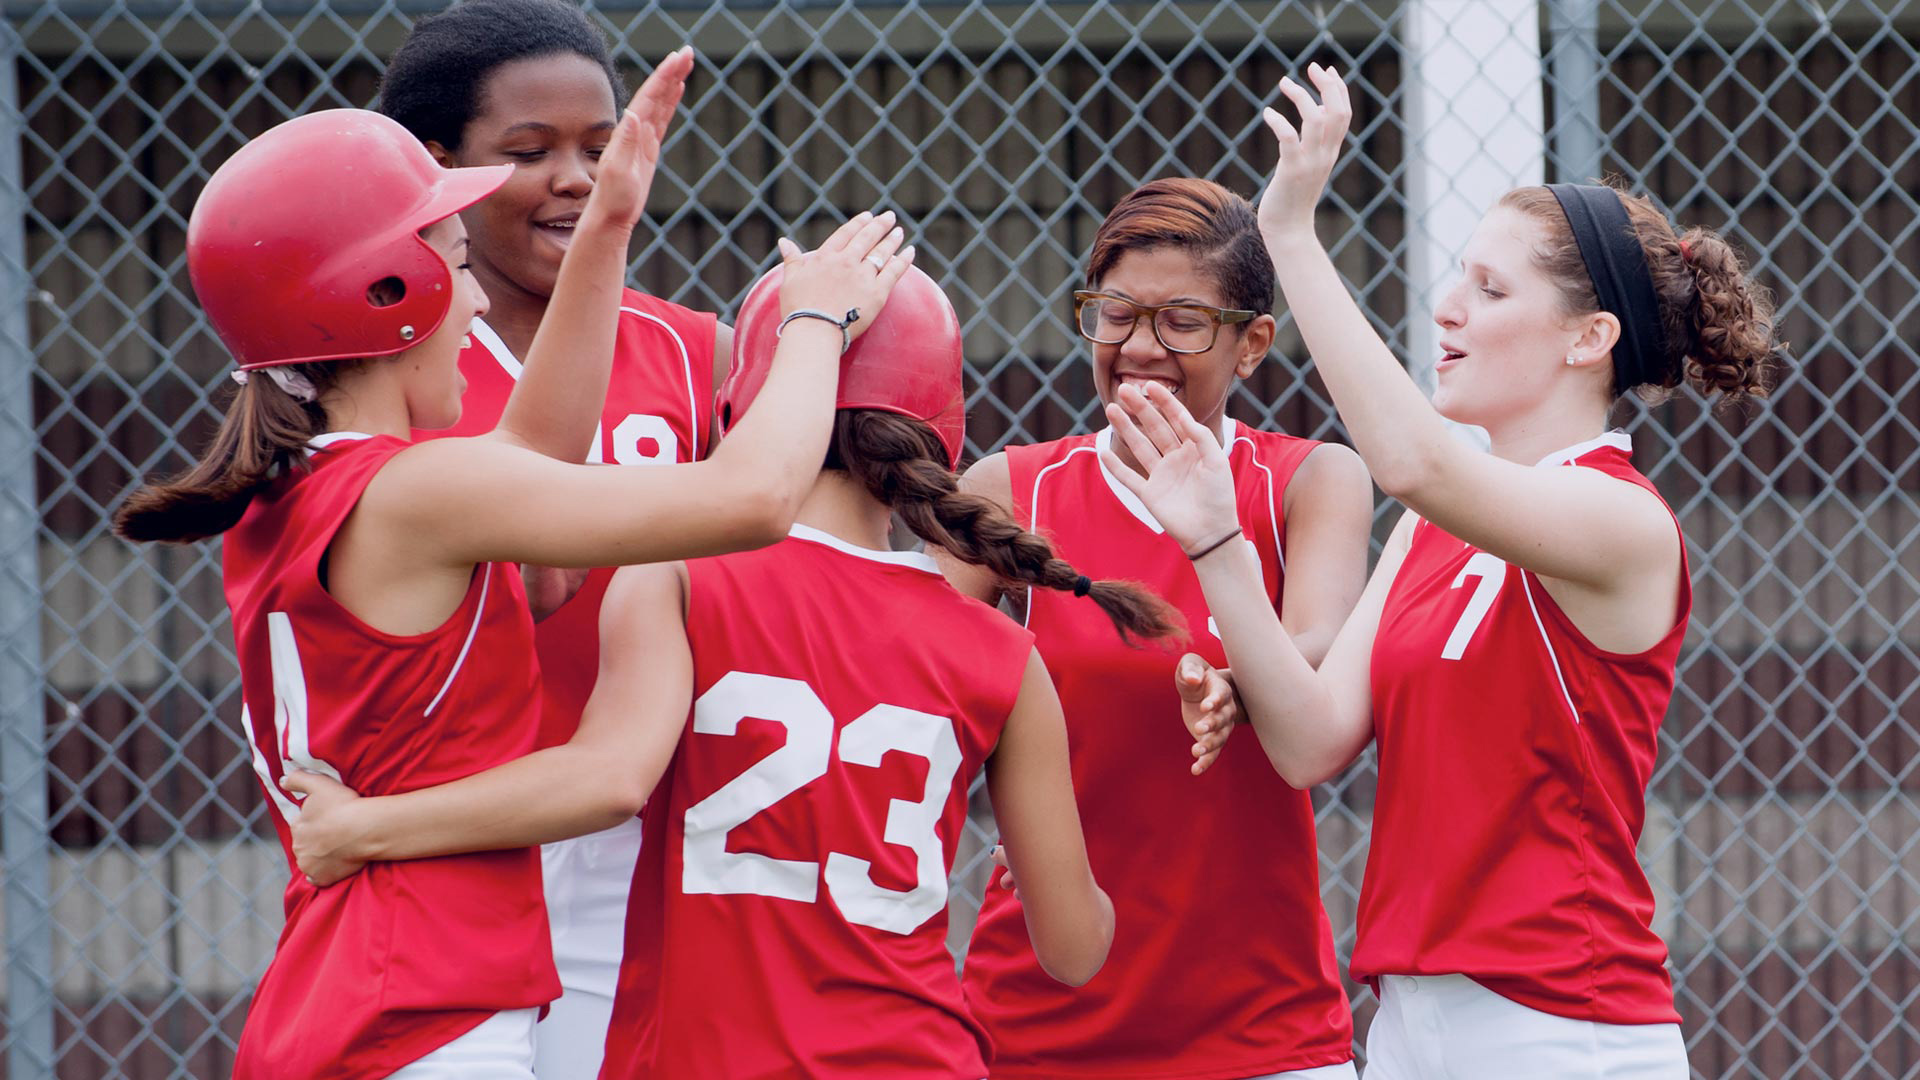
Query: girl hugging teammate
382	633
807	719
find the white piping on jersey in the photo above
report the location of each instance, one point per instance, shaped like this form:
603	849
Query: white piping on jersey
1104	441
1042	475
1552	657
1617	438
328	438
479	609
1273	514
686	366
513	367
912	560
502	355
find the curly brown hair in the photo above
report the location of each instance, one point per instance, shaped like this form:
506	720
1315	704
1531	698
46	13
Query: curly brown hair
1718	321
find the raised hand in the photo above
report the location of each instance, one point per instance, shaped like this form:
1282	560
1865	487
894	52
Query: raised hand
323	829
1307	153
1189	484
1208	706
632	154
854	270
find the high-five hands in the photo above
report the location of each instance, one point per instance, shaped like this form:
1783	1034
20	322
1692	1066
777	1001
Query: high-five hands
1307	153
632	154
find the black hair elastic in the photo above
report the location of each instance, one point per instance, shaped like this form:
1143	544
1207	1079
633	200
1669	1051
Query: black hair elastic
1083	586
1622	281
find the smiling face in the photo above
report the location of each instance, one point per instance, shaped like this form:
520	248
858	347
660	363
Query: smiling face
1202	381
430	371
1504	336
550	117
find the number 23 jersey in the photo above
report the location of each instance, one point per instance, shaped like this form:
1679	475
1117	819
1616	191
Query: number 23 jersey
789	913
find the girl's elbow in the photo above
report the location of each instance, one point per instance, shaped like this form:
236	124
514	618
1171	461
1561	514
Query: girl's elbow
1404	473
1304	771
1078	965
761	516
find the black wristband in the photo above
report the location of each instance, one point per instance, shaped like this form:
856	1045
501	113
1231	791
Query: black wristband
1196	556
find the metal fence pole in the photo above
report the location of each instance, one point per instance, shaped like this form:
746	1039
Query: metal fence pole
1574	52
1475	128
23	765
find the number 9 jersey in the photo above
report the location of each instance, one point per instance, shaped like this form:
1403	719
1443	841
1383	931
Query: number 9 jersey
789	913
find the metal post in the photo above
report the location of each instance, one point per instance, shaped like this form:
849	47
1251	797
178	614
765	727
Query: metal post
1475	114
24	839
1574	30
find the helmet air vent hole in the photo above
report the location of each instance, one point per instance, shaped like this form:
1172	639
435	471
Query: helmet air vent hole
386	292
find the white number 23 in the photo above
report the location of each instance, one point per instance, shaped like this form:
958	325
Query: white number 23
711	868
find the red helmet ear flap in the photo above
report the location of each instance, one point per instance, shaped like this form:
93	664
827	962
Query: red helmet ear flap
907	362
305	244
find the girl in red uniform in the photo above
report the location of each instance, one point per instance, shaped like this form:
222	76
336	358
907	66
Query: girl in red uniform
1222	967
1514	653
830	700
530	83
382	635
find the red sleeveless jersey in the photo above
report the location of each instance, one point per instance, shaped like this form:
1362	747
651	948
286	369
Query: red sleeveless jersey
403	957
789	913
1222	962
1514	759
659	411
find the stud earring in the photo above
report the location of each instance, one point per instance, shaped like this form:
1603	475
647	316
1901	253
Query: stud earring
1572	359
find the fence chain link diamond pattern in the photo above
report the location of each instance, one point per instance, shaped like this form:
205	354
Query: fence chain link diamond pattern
1784	810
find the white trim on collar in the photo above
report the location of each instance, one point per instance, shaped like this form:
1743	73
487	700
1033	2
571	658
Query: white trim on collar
913	560
1104	441
502	355
329	438
1616	438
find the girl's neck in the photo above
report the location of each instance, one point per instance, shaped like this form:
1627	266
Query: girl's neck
1528	438
370	401
841	507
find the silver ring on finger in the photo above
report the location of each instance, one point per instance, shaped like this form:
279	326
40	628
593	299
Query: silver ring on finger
876	262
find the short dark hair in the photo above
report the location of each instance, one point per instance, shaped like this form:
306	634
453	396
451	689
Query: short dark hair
1213	225
432	85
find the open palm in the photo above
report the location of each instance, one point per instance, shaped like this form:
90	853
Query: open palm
1188	486
632	155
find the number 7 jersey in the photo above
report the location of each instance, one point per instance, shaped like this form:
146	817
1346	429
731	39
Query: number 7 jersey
1514	760
789	913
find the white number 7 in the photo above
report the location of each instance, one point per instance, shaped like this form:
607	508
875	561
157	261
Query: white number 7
1491	572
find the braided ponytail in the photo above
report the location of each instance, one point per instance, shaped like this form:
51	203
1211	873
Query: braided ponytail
900	462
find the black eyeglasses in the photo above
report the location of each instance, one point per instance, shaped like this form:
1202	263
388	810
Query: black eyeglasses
1182	328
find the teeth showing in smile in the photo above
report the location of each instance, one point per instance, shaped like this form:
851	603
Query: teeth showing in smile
1141	382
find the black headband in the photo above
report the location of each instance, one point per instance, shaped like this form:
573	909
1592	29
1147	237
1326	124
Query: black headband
1621	280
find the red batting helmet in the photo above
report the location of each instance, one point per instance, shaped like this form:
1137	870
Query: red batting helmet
294	229
907	362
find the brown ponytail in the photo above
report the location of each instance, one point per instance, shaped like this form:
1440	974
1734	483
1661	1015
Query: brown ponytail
264	433
1718	322
901	463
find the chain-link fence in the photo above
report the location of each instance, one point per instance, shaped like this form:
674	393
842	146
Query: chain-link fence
141	883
